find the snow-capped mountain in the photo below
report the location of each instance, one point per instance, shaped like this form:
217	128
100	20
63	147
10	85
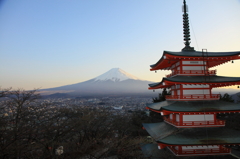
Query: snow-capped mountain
113	82
115	74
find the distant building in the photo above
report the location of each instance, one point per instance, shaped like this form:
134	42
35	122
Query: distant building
119	107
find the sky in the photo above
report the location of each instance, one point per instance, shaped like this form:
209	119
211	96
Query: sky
51	43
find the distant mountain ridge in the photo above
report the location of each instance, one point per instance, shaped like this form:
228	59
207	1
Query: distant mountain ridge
114	82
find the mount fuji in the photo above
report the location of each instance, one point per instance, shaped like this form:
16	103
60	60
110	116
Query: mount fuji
113	82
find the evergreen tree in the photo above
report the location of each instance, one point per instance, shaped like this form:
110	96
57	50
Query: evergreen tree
226	97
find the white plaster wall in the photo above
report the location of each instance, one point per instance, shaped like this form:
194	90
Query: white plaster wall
193	68
200	147
193	62
171	116
195	86
177	117
177	86
206	117
196	91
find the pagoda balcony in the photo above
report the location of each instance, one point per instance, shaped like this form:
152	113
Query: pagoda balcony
194	152
193	97
211	123
193	72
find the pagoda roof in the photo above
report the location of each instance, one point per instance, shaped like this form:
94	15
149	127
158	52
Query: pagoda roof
192	136
159	130
151	151
235	153
215	81
199	53
194	106
214	58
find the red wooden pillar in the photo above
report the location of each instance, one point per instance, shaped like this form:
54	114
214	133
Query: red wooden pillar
215	118
180	119
180	150
162	146
174	118
181	91
180	66
210	90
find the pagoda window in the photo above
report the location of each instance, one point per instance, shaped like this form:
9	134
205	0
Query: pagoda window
200	147
197	120
196	86
177	118
199	90
178	92
193	63
193	68
170	116
196	91
198	117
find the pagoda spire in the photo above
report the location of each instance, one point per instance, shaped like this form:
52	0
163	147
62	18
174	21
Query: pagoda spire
186	30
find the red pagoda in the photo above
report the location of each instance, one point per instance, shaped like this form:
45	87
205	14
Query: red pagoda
191	126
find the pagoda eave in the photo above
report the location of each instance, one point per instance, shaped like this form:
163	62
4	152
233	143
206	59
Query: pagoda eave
197	126
202	80
226	152
170	58
177	144
159	149
163	144
191	107
192	99
167	112
170	135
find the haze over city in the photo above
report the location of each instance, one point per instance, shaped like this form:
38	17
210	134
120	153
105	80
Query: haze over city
46	44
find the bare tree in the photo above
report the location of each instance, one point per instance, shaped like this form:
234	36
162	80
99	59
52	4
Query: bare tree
4	92
34	129
14	131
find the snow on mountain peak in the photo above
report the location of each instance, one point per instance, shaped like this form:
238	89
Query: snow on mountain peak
115	74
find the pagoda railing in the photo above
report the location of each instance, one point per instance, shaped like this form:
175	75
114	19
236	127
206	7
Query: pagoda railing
193	72
193	97
199	123
196	123
200	151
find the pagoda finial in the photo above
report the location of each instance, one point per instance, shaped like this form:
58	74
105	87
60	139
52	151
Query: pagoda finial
186	30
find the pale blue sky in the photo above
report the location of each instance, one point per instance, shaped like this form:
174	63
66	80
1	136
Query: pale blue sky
50	43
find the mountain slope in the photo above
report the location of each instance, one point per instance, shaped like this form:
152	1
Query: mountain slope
115	74
113	82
